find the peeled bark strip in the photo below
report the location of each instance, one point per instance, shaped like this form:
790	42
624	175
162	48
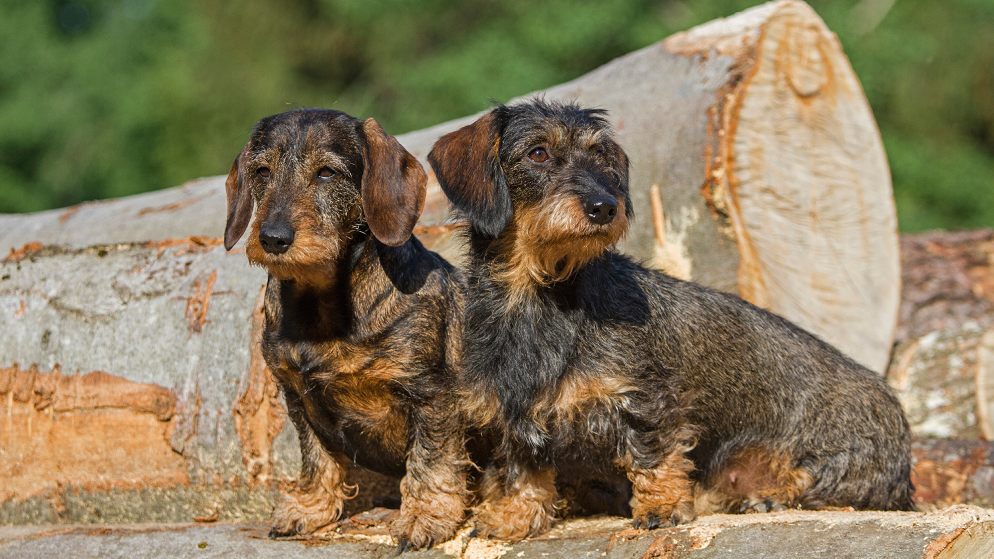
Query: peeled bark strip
96	431
769	181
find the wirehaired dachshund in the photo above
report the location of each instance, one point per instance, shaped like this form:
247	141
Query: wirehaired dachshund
577	355
362	323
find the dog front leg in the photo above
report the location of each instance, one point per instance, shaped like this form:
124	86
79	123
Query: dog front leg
662	492
319	494
433	490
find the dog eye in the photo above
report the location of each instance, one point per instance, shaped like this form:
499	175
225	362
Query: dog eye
326	173
538	155
263	172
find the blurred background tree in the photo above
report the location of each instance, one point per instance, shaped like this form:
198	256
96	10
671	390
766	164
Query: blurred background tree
102	98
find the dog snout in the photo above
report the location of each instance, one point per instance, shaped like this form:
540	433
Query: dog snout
600	209
276	238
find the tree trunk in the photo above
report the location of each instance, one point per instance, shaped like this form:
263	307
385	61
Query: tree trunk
129	332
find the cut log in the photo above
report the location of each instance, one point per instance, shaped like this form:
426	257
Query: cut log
943	365
950	472
955	533
757	168
948	280
771	176
945	381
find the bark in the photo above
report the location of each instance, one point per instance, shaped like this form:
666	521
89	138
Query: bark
757	168
943	364
949	472
948	280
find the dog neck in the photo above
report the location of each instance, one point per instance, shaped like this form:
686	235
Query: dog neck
526	269
354	285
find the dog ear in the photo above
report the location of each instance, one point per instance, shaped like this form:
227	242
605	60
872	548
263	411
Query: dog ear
239	205
467	165
393	186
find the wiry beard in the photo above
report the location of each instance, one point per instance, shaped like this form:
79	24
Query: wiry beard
546	245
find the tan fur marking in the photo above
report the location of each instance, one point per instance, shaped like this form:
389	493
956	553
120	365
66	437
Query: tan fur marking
577	394
754	475
310	259
664	491
480	407
547	244
433	502
318	502
361	386
526	508
361	383
371	402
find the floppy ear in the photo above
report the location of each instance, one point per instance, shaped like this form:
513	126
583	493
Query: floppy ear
239	205
393	186
467	165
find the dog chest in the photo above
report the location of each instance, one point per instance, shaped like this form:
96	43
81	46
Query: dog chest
354	387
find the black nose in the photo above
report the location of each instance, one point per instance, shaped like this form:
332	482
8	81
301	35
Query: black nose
600	209
276	238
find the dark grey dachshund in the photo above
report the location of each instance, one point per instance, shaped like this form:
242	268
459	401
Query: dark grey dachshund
361	321
577	356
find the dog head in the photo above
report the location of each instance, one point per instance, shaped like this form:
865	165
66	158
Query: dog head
318	179
546	180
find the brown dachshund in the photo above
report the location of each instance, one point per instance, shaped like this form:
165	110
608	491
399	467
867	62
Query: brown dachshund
580	357
362	323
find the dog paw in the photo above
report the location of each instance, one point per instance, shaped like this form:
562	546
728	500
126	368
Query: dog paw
425	528
512	519
302	514
664	517
761	505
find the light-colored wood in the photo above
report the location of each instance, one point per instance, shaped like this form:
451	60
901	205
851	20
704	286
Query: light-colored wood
943	365
958	532
944	380
800	171
984	382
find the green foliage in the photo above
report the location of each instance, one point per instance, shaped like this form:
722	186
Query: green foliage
103	98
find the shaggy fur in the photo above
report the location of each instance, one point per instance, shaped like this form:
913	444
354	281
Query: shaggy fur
579	358
362	322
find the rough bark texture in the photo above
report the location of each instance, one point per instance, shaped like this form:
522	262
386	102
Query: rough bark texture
949	472
943	363
948	279
956	533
